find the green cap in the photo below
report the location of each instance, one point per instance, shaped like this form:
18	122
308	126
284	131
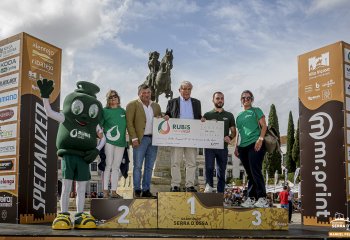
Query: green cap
87	88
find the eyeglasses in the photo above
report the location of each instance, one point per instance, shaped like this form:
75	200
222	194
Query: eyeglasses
112	97
246	98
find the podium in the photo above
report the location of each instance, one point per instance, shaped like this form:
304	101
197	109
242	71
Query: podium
256	218
125	213
178	210
185	210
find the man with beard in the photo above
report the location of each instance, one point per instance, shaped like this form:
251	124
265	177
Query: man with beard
218	114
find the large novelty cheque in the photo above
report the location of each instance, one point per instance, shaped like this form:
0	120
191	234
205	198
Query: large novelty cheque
188	133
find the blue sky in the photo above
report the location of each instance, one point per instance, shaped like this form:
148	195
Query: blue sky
226	46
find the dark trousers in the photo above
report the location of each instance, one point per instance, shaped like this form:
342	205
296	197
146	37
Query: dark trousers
252	163
290	210
221	161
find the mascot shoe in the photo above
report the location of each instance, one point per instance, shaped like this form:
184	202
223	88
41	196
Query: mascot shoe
62	222
84	221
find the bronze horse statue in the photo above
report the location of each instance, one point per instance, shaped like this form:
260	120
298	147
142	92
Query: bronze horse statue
159	78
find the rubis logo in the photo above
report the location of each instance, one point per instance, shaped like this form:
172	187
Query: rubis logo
160	127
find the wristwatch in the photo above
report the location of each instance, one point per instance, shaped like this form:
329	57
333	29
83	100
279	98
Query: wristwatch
261	138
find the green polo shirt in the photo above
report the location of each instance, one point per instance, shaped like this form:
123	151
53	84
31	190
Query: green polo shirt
114	126
247	125
227	117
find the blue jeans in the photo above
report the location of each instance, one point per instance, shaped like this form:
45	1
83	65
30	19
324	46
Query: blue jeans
252	163
221	162
148	153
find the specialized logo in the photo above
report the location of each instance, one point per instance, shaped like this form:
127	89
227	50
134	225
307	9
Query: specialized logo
161	129
109	135
319	119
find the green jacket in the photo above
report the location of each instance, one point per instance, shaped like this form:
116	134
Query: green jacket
136	118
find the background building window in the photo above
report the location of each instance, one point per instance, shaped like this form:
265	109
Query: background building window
200	151
229	159
229	173
200	172
94	166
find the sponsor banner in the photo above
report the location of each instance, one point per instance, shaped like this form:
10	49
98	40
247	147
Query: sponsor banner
322	159
7	165
319	76
8	148
41	60
347	55
8	131
9	65
8	98
188	133
8	182
8	114
9	81
347	71
8	207
9	49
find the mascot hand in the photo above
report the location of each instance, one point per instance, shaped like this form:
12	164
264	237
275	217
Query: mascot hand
91	155
46	87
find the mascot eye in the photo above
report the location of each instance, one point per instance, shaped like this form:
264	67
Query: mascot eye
77	107
93	111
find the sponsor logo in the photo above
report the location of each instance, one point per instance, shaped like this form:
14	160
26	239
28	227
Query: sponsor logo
181	128
7	165
9	65
8	148
347	55
9	81
161	128
8	98
319	133
7	182
340	222
42	58
8	114
3	214
320	119
6	201
347	71
8	131
9	49
75	133
319	66
113	131
40	158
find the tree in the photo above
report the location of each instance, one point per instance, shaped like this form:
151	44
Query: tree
296	148
289	163
272	161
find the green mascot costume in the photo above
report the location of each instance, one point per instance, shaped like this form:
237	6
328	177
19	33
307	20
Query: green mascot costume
78	145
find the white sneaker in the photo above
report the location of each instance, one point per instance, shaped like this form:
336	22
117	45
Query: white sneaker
208	188
262	203
248	203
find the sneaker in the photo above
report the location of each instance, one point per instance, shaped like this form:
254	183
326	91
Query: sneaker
175	189
147	194
262	203
137	193
115	195
84	221
248	203
62	222
208	188
191	189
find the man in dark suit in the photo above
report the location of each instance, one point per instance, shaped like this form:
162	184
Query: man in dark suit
139	122
183	107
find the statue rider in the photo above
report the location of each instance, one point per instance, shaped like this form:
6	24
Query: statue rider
153	65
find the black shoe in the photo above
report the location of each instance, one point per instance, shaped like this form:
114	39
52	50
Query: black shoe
191	189
175	189
147	194
137	193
